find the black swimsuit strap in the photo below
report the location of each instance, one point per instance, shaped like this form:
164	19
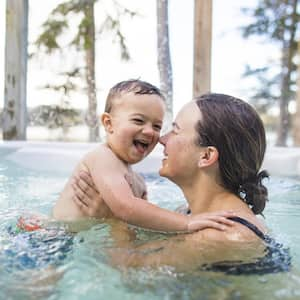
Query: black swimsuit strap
276	258
251	226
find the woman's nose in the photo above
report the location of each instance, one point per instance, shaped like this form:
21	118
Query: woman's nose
163	139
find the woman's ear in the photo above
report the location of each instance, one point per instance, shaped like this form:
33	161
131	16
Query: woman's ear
107	122
208	156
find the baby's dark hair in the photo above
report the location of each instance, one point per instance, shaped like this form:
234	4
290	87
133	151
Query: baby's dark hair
236	130
136	86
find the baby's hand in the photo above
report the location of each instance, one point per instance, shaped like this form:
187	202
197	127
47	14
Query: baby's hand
217	220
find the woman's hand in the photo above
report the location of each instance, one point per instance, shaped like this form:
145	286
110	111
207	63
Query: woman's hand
87	198
217	220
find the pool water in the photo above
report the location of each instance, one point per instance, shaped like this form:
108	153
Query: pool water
76	267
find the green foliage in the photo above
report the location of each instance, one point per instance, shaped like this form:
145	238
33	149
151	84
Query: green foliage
67	86
58	23
73	6
52	29
270	19
54	116
265	93
82	39
113	25
277	22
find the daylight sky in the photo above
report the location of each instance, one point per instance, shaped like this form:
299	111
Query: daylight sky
230	53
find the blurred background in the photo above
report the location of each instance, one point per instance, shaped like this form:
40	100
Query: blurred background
58	60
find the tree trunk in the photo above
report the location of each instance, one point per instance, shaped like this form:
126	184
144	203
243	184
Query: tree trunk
164	58
92	117
14	112
284	117
287	57
296	121
202	46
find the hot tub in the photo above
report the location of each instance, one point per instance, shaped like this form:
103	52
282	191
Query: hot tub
33	174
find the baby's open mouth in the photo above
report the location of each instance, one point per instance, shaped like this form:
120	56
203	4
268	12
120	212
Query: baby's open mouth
141	145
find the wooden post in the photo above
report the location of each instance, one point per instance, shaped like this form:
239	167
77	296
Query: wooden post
296	119
202	46
164	58
14	113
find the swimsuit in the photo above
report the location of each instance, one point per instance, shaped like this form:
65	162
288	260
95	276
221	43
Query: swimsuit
276	258
252	227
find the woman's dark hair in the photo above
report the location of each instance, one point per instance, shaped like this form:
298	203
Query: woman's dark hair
236	130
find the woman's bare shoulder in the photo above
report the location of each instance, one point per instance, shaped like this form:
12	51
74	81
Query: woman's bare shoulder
238	232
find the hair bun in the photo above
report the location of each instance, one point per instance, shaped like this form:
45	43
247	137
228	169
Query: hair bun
255	193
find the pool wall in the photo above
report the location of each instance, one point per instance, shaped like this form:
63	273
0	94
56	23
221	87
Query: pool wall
62	157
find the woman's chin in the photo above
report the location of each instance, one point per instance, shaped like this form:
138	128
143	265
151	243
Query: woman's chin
162	172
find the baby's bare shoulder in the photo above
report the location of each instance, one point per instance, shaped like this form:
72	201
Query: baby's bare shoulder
101	154
102	160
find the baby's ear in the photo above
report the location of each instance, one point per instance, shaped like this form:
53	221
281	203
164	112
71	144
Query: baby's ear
208	156
107	122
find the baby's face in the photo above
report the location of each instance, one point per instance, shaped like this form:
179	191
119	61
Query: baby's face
136	121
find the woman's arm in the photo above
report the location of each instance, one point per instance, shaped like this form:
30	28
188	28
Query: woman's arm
183	252
186	251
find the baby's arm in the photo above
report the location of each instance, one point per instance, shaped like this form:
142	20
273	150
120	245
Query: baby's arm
117	194
89	205
119	197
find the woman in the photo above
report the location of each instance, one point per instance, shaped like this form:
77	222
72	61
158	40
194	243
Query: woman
214	154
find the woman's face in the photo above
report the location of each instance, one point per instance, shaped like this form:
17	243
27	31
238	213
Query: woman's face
181	153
